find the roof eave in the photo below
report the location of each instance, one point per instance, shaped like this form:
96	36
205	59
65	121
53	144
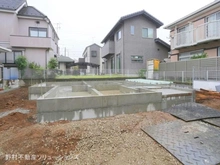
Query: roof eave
172	25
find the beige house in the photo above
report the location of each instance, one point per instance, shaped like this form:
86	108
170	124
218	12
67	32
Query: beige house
26	31
196	33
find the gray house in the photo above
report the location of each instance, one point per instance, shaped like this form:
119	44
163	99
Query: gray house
131	42
64	63
92	55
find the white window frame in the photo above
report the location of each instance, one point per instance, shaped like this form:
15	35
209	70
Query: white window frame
118	35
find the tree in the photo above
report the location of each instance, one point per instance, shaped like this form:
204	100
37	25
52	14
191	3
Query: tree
53	63
22	63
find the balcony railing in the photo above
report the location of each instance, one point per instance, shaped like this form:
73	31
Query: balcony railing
203	33
108	48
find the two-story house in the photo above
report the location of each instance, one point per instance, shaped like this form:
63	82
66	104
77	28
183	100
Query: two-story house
26	31
196	33
92	55
131	42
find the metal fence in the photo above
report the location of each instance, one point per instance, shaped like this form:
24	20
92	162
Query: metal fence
50	74
187	71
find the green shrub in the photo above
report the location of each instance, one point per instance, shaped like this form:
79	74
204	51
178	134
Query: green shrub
142	73
22	63
53	63
37	70
203	55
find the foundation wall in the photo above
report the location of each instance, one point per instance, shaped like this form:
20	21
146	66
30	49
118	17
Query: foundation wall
98	106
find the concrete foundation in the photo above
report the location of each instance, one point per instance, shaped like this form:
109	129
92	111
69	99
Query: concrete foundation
83	100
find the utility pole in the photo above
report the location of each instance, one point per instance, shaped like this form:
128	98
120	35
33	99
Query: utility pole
65	51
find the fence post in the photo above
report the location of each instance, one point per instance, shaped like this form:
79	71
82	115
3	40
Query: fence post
164	75
182	76
207	75
193	74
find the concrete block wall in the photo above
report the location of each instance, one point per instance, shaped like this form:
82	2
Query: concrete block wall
99	106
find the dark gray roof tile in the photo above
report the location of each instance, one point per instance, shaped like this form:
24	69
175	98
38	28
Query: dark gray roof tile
11	4
64	59
122	19
31	11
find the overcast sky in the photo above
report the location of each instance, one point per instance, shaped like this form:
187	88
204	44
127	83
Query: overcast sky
84	22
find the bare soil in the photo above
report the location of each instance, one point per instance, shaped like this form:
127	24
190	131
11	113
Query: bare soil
114	140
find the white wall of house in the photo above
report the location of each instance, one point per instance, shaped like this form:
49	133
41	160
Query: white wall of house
36	55
62	66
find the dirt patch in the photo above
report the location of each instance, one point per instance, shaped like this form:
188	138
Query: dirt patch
114	140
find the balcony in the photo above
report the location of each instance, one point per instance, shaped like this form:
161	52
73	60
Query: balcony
33	42
204	33
108	48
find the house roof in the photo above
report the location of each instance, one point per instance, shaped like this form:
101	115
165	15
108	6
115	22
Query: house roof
159	41
11	4
31	11
3	49
90	46
64	59
126	17
203	9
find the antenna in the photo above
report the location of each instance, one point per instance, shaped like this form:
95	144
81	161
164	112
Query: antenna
57	26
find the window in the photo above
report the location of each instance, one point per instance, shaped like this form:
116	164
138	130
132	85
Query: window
17	54
9	57
147	33
2	58
38	32
132	30
113	64
118	63
94	53
137	59
119	35
187	55
213	25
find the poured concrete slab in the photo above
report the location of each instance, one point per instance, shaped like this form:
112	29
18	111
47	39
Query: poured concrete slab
147	81
194	143
215	122
166	91
192	111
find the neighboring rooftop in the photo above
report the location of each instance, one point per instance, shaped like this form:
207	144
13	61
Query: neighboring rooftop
64	59
122	19
90	46
31	11
158	40
11	4
203	9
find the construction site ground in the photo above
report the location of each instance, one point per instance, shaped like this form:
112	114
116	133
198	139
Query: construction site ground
113	140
